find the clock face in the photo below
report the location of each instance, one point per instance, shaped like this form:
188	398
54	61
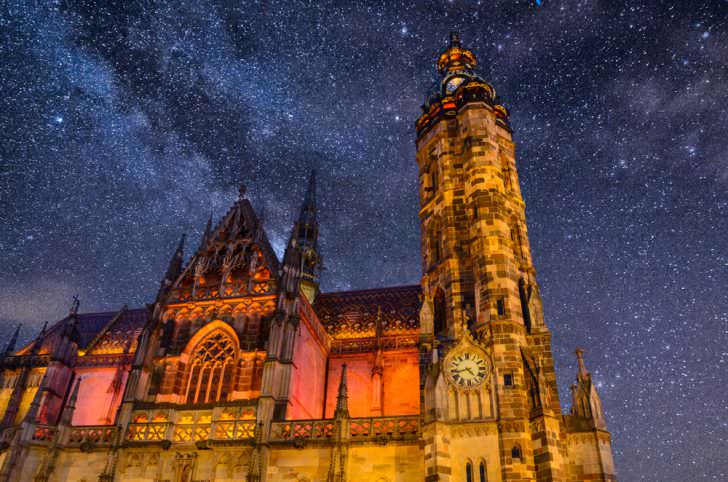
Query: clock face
453	84
468	370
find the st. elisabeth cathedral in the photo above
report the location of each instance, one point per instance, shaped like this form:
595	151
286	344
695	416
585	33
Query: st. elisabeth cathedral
242	369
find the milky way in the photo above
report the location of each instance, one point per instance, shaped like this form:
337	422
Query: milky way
123	125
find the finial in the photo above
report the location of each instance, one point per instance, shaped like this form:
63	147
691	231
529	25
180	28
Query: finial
583	372
241	192
181	244
13	340
74	306
454	39
342	404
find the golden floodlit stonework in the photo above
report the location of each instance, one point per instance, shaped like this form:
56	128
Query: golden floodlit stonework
242	370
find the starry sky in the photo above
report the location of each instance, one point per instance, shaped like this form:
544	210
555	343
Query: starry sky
125	123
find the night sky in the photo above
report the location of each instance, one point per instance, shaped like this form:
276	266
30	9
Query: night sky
124	124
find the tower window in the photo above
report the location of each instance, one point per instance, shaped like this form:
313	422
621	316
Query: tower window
483	473
508	379
516	452
501	306
434	181
469	472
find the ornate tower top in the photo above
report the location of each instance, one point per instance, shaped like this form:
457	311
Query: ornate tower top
455	57
458	83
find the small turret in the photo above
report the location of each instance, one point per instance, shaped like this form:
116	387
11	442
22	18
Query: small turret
342	397
304	239
174	269
585	401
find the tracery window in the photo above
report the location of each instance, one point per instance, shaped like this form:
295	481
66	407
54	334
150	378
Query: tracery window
211	374
483	472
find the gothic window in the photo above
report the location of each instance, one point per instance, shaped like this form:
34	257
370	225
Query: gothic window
440	312
483	472
516	452
469	472
212	364
508	379
501	306
524	304
434	181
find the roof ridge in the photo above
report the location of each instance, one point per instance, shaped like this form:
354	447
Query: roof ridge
370	290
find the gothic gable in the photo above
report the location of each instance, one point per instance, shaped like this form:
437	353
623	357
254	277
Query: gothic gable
235	259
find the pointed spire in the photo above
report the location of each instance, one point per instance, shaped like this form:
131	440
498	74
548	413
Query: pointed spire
13	341
307	225
454	39
74	306
582	373
174	268
342	398
207	235
38	342
305	233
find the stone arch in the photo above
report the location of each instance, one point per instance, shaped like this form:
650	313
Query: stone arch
212	355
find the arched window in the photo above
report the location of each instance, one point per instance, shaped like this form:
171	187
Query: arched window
524	304
516	452
440	313
483	472
469	472
211	373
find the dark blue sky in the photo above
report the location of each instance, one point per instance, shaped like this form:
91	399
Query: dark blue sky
123	124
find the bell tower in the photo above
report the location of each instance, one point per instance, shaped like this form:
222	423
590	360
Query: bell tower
484	344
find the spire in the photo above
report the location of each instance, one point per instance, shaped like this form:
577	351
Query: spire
13	340
583	373
307	216
38	342
304	240
174	268
456	57
208	232
342	398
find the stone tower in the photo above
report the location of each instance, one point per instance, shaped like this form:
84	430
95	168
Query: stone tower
491	407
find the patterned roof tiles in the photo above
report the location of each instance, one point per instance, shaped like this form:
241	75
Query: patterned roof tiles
353	314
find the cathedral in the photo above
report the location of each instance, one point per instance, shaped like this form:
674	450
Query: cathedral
242	370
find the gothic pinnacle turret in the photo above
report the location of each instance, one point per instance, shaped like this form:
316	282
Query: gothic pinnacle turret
174	269
342	397
10	348
304	238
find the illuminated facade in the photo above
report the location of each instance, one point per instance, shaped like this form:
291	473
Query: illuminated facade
242	370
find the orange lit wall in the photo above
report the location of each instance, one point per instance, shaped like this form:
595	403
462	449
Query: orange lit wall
309	372
96	403
401	390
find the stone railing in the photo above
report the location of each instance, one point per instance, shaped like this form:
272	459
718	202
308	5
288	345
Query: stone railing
385	427
302	429
43	433
91	436
219	430
375	428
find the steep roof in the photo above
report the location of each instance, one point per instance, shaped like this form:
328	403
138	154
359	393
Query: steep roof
353	314
106	332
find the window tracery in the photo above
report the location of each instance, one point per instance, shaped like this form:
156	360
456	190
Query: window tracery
211	369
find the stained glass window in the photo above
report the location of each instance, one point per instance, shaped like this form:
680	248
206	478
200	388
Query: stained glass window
211	372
